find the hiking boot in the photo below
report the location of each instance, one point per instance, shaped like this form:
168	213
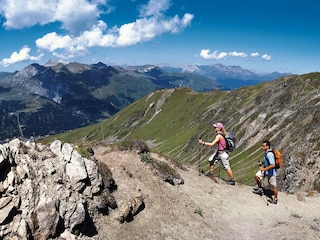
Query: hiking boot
231	182
274	201
258	191
209	174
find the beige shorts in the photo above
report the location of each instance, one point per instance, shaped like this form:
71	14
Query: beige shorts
225	161
260	174
272	180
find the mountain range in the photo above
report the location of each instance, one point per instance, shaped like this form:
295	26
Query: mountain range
228	77
44	100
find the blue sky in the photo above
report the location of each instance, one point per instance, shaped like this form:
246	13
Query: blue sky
259	35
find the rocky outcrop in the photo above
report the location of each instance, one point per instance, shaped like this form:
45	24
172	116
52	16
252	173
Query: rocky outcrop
51	191
130	208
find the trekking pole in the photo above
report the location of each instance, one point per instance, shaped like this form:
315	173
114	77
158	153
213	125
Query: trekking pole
266	199
199	151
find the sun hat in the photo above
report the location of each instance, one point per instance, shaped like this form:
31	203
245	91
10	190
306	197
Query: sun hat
218	125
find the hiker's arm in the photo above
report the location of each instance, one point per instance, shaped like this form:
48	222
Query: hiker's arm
215	141
267	168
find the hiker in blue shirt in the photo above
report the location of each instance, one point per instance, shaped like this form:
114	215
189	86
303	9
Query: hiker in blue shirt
267	170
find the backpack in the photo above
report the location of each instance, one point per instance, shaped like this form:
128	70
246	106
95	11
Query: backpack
230	142
278	158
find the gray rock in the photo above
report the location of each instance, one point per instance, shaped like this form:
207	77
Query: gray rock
46	188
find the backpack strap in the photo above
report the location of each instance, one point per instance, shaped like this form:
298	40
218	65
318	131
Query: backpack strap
266	154
225	141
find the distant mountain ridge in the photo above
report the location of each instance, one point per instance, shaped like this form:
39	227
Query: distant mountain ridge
230	77
59	96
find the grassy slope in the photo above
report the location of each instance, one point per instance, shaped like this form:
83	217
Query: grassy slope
174	130
173	120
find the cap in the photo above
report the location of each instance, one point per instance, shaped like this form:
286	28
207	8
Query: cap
218	125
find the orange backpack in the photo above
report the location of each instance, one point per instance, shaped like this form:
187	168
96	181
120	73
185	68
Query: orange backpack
278	158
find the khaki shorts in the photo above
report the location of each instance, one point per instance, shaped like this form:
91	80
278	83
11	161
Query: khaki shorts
225	161
272	180
260	175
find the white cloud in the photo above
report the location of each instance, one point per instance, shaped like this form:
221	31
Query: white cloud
238	54
52	41
205	53
141	30
255	54
96	36
266	57
154	8
26	13
22	55
148	28
76	15
80	19
73	14
186	20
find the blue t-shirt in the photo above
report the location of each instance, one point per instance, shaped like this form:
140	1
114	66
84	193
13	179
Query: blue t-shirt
268	160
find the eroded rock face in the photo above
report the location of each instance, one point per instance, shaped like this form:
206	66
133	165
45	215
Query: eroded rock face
47	192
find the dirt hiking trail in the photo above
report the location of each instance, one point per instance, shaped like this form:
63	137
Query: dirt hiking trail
201	208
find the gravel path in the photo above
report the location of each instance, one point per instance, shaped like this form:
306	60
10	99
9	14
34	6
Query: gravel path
201	208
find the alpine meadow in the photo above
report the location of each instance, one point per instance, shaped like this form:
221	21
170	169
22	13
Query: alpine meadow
170	121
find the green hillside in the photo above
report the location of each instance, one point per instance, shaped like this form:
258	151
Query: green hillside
285	111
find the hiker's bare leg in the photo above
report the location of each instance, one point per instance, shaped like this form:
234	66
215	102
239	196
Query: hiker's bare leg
211	166
258	181
273	182
275	191
230	173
